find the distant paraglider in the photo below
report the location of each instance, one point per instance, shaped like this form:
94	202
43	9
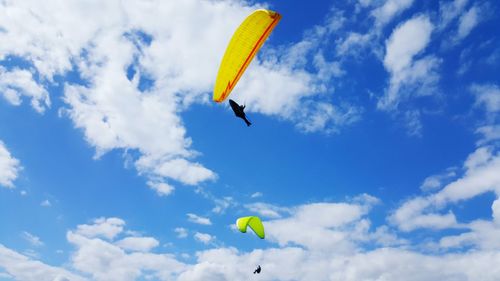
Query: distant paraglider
254	223
239	111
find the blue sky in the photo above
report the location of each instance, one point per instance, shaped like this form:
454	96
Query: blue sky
374	144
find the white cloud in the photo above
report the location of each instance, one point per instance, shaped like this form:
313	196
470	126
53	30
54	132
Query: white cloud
482	235
406	41
412	122
222	204
45	203
353	43
365	3
413	214
256	194
139	244
266	210
487	95
323	226
199	220
494	57
495	208
431	183
409	76
481	176
9	167
163	189
101	227
286	85
468	19
22	267
32	239
178	169
204	238
449	11
19	82
391	8
436	181
478	158
489	133
326	117
181	232
467	22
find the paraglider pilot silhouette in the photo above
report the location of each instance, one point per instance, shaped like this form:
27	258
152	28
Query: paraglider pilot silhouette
257	270
239	111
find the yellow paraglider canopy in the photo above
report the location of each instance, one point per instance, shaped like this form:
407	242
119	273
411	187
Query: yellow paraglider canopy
242	48
253	222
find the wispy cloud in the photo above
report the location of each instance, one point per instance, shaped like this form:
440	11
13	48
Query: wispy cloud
101	227
389	9
198	220
204	238
256	195
181	232
163	189
487	96
266	210
448	11
16	83
409	76
436	181
45	203
489	133
32	239
467	22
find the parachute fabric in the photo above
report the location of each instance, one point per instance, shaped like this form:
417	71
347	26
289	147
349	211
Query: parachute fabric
253	222
242	48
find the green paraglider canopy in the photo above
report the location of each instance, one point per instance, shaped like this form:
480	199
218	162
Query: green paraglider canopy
253	222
